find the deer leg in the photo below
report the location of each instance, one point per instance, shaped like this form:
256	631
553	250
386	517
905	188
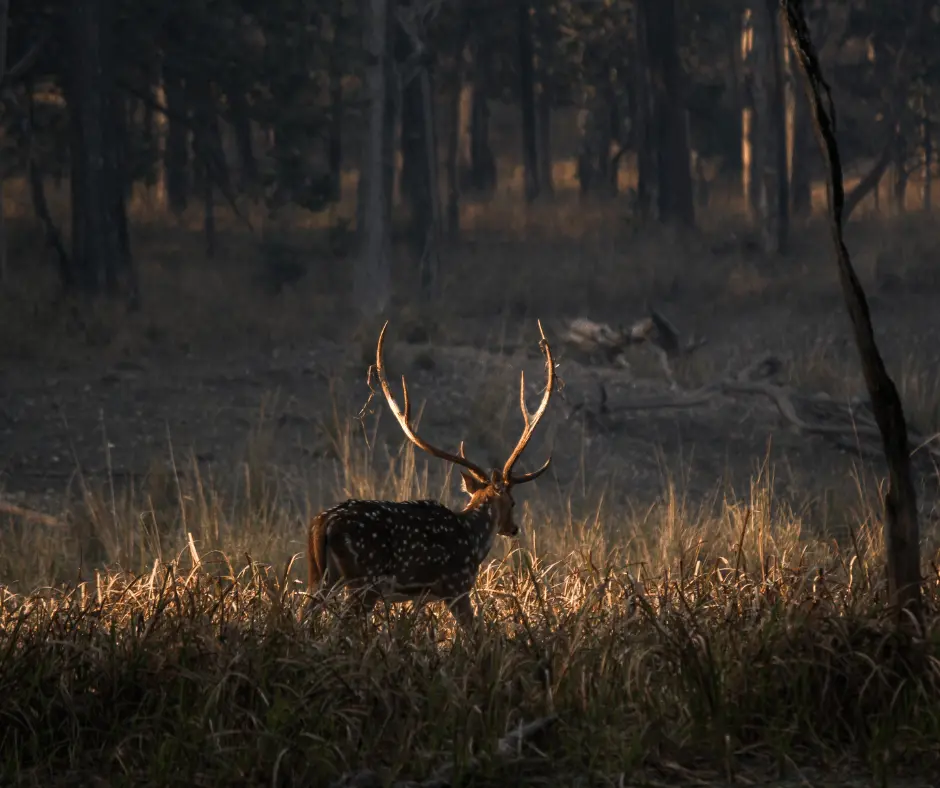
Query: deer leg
462	610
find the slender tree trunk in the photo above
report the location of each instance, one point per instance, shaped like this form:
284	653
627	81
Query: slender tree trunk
4	27
335	138
544	139
675	182
337	107
900	174
97	191
543	40
927	139
37	193
458	141
647	186
902	526
176	156
527	99
240	116
372	278
482	160
799	139
770	128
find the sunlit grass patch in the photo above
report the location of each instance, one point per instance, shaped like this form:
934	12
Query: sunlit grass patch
705	639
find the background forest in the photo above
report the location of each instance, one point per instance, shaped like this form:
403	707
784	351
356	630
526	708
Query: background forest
209	209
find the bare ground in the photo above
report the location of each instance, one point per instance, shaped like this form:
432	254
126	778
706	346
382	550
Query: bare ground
122	418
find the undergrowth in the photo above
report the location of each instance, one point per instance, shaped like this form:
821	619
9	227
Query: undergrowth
710	645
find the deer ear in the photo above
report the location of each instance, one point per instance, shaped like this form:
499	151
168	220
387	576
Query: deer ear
470	484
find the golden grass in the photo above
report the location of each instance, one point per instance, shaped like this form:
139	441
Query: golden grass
161	635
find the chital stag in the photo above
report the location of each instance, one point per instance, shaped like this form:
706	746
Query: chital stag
421	550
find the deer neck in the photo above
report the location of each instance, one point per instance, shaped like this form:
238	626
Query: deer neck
481	520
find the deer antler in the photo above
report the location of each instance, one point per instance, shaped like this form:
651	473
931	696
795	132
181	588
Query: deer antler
531	419
403	416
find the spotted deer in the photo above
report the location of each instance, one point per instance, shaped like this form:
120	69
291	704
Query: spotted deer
422	550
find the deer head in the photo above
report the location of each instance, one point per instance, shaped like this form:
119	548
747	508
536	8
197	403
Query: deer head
492	489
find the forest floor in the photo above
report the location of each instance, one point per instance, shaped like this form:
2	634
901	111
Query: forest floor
282	397
126	439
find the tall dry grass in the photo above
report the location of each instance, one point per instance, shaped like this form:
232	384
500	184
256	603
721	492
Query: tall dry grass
687	642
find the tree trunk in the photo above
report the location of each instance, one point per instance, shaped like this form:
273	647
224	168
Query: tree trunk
900	174
37	193
927	140
799	139
902	527
419	174
594	130
527	99
458	141
544	139
675	182
647	186
769	147
4	27
751	149
337	107
176	154
372	276
240	116
482	161
99	251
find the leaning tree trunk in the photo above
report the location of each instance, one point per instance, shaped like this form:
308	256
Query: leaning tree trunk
527	100
902	528
372	275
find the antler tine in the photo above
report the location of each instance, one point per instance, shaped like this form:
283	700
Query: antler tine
403	417
523	408
404	395
532	420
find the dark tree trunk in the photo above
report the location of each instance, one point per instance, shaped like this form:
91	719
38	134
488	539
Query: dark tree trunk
482	161
334	150
669	127
902	526
900	173
37	192
208	152
176	154
645	142
100	250
527	98
457	147
800	136
544	139
372	274
927	138
334	143
413	163
769	108
150	126
240	117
